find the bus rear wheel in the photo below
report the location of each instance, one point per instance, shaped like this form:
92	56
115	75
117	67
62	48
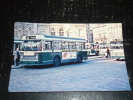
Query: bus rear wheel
79	59
56	61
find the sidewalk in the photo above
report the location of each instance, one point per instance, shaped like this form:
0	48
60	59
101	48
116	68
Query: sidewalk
92	57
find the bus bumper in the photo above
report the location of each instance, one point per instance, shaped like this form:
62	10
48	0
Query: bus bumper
29	62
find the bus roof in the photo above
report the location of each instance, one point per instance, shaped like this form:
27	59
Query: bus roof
48	37
18	40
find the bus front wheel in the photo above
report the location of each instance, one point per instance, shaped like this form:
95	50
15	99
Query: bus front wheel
79	59
56	61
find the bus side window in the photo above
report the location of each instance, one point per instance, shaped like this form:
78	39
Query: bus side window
56	46
78	46
39	47
63	46
67	46
48	45
83	45
72	45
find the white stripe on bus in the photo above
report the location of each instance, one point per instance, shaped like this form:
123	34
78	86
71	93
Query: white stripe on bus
47	60
28	60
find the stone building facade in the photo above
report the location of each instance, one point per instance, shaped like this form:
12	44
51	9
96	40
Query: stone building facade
106	32
53	29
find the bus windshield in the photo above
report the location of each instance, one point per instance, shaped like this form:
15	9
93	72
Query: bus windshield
32	45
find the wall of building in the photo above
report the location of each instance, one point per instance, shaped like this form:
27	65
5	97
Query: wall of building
55	29
104	33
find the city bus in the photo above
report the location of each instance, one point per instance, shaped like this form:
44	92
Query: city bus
92	49
116	49
45	50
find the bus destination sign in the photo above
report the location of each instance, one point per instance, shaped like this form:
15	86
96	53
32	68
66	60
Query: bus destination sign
30	37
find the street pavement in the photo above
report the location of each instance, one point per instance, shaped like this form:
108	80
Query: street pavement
95	74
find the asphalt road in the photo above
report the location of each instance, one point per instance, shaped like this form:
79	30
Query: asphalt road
95	74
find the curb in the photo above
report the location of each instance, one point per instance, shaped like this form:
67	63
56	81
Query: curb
95	57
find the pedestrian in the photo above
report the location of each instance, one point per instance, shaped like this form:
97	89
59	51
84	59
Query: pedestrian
16	57
108	53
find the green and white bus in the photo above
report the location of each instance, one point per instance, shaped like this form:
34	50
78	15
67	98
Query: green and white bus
45	49
116	49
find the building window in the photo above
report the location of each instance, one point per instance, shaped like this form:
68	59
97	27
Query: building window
27	33
23	28
42	32
52	32
68	32
19	33
16	33
61	32
80	31
30	30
